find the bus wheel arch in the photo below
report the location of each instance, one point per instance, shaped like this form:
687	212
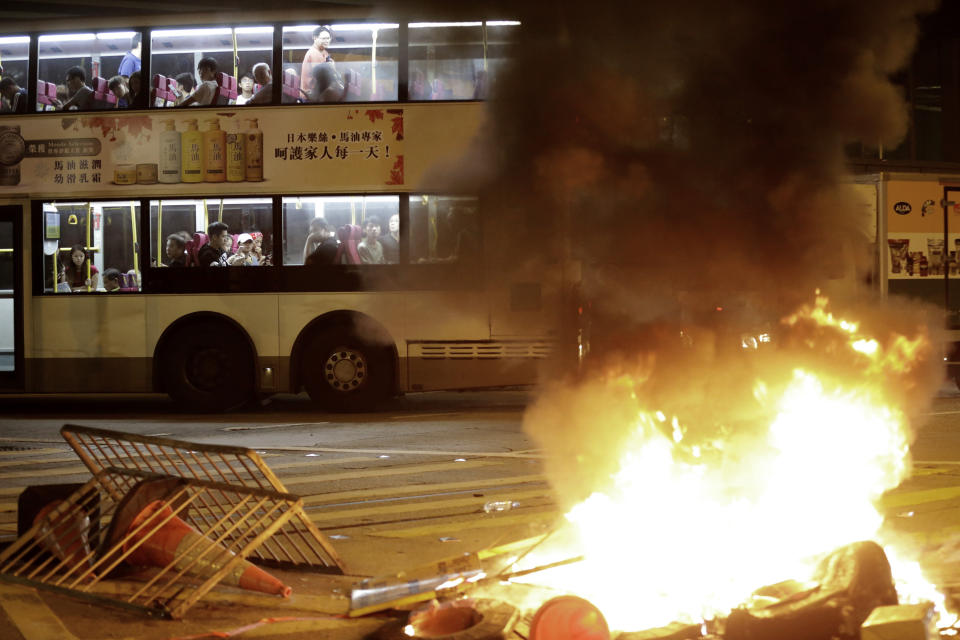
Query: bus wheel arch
206	361
345	360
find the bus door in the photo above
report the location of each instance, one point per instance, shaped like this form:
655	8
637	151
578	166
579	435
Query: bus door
11	299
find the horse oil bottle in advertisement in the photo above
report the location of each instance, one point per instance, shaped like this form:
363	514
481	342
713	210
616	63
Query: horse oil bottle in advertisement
191	155
214	152
169	153
236	158
254	152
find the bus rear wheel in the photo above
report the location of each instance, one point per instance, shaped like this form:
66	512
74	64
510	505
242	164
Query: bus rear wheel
208	367
342	372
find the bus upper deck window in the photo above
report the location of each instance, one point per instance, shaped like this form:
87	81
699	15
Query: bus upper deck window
14	51
75	70
457	60
177	72
340	62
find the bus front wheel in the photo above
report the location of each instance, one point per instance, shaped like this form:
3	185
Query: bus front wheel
342	372
208	367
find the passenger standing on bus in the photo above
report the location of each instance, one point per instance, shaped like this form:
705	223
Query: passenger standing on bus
214	253
370	249
75	271
131	59
80	95
316	54
14	99
207	70
391	241
261	74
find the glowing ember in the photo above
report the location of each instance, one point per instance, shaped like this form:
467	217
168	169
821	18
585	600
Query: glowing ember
690	524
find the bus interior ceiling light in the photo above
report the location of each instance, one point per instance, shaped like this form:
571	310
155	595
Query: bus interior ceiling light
176	33
427	25
14	39
68	37
347	26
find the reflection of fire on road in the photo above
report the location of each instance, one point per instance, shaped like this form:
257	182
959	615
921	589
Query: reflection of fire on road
693	517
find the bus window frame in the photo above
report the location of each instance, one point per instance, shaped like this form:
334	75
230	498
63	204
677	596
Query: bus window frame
146	39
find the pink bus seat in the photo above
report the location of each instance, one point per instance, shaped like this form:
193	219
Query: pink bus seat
160	94
103	98
46	93
226	92
291	86
128	281
349	236
193	248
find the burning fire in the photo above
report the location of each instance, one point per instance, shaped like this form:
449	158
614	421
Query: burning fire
690	525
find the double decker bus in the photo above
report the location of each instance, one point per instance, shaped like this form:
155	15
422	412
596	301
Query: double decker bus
347	272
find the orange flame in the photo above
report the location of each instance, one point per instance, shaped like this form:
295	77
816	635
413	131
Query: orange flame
687	528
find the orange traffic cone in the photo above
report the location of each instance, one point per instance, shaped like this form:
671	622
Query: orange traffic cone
64	535
179	543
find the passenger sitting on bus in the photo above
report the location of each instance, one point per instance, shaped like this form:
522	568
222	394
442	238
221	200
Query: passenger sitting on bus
244	257
317	230
246	89
80	95
111	280
186	83
214	253
327	86
176	251
317	54
135	85
370	249
75	271
12	97
324	251
118	87
261	74
207	70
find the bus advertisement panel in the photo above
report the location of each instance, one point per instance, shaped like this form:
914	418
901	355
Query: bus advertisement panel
215	150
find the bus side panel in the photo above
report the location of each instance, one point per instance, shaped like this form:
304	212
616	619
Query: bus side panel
255	313
88	343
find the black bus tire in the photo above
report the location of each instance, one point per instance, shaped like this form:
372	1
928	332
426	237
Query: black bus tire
343	372
208	367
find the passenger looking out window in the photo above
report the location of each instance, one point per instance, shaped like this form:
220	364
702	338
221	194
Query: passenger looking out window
75	270
321	247
215	253
245	256
131	59
176	250
391	241
261	73
318	53
79	95
246	89
370	249
13	98
207	70
118	87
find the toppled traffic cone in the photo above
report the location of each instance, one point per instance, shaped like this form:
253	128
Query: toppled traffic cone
177	545
65	534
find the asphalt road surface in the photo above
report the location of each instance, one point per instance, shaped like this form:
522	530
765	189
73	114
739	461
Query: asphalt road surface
391	490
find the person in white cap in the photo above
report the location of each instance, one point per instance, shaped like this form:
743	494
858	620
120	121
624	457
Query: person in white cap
244	257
